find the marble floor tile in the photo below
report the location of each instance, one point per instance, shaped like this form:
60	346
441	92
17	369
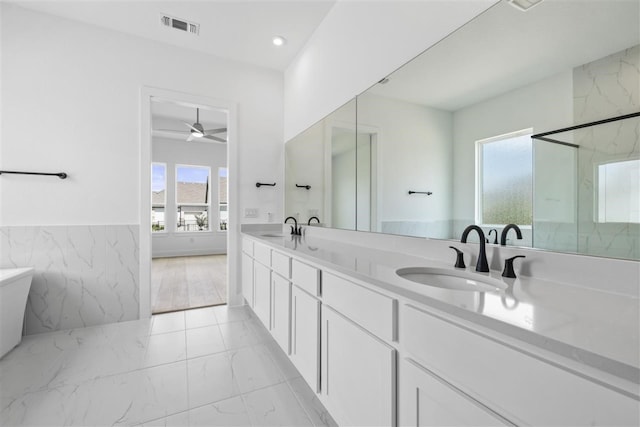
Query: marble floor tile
198	317
124	399
168	322
177	420
253	368
204	341
165	348
310	402
230	412
275	406
210	379
157	372
281	360
226	314
240	334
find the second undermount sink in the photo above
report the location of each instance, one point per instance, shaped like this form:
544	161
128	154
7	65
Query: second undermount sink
450	279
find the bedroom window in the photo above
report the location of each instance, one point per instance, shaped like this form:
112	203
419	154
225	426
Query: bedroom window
158	196
193	199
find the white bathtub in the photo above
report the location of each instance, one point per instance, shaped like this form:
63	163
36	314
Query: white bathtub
14	290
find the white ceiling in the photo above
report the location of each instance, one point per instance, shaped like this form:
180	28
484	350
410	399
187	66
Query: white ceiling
505	48
238	29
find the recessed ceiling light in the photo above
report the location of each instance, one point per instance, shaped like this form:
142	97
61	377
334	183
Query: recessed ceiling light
278	40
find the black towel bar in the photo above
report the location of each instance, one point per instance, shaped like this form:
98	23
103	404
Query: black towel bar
60	175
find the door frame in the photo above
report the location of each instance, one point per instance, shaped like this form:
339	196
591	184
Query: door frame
233	227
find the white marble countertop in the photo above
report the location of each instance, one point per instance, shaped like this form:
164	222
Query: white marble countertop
595	328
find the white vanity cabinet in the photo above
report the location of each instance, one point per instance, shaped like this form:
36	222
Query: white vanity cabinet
247	278
512	380
262	293
281	311
428	400
305	336
358	373
378	358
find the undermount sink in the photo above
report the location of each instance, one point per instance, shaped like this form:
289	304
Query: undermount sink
449	279
273	235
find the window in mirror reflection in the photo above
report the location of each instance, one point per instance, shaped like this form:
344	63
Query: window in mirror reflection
158	196
504	179
618	191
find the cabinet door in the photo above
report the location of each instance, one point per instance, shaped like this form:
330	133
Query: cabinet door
358	373
247	279
281	311
305	339
427	400
262	293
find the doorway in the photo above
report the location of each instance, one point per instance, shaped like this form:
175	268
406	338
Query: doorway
189	205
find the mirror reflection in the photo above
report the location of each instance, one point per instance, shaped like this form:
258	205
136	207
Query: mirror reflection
467	133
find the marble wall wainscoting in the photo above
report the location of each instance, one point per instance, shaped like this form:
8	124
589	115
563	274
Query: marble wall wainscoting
85	274
608	87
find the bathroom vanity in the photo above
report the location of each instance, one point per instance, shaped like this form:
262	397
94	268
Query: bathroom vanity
379	349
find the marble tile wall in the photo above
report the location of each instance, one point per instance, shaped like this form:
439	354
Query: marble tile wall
606	88
85	275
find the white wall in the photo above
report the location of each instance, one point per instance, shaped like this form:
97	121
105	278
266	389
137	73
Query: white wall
77	88
545	105
174	152
343	183
414	153
305	166
357	44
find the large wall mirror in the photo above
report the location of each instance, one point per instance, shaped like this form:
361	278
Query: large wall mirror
472	132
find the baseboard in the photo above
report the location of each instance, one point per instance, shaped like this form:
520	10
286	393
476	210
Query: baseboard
195	252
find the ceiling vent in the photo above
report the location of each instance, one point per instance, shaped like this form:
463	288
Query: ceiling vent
179	24
524	5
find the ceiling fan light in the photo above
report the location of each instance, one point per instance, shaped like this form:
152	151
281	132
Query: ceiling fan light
278	40
197	134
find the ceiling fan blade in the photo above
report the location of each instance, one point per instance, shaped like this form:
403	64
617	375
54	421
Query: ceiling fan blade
212	131
191	127
215	138
181	132
190	138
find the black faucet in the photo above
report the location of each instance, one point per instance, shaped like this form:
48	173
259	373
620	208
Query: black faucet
313	217
508	267
495	238
295	230
505	230
459	258
482	265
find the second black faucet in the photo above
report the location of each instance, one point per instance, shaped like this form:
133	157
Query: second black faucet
295	230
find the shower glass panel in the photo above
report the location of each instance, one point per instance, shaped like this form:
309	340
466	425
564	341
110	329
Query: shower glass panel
555	225
599	164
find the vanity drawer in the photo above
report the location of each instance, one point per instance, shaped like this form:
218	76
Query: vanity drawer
305	277
262	254
247	246
281	264
522	387
373	311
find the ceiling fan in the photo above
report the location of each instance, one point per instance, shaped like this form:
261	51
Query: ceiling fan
196	131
